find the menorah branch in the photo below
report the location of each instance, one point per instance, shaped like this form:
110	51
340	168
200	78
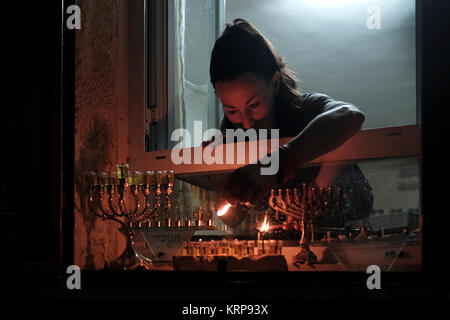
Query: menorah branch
304	207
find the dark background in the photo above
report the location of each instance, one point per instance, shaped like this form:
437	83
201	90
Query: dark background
36	175
28	137
36	136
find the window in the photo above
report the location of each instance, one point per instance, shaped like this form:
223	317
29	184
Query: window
362	52
181	35
196	29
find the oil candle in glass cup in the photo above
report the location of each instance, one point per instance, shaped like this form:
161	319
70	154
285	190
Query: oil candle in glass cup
244	248
113	180
140	178
223	248
131	178
150	177
220	249
190	249
260	247
91	178
279	247
209	248
135	178
170	177
215	247
164	177
272	246
122	171
196	248
159	177
230	245
184	252
251	247
203	247
103	178
237	248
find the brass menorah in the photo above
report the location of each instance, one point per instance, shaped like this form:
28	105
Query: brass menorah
141	201
305	206
150	198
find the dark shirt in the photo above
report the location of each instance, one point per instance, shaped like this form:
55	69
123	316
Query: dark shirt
357	192
292	120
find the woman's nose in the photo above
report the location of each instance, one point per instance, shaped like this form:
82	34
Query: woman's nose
247	121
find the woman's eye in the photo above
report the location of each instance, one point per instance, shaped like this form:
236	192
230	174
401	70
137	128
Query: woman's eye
254	105
231	112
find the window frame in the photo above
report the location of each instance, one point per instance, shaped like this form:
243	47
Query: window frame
430	281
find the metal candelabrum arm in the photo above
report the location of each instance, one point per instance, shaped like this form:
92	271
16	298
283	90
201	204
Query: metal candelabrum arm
103	213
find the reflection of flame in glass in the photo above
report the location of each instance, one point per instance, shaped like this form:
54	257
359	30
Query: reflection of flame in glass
265	225
224	209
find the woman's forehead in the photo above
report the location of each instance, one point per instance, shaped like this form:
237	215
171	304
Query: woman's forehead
242	88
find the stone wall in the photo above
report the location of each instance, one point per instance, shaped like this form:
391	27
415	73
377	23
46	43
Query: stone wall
101	124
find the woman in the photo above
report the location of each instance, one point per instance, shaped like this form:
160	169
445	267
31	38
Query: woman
258	91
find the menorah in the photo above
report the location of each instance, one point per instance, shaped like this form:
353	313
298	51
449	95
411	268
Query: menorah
141	201
150	193
305	206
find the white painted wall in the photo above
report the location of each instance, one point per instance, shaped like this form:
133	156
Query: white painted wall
328	44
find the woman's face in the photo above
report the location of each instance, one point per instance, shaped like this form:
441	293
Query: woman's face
249	101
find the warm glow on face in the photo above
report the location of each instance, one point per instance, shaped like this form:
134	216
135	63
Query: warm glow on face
265	225
248	100
224	209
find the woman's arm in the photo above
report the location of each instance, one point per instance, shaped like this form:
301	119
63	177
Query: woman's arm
323	134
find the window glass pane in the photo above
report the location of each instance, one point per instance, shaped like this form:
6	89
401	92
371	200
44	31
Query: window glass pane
358	51
195	22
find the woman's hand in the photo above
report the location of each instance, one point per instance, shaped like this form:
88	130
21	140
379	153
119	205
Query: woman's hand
248	185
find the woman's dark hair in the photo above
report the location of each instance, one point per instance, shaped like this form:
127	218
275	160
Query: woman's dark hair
242	48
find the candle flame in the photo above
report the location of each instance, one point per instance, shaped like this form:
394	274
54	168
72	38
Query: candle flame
265	225
224	209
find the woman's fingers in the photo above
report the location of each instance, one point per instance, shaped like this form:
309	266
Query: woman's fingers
238	188
258	194
248	185
229	196
238	191
248	191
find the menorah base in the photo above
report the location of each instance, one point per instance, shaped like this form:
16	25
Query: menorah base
304	256
129	260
